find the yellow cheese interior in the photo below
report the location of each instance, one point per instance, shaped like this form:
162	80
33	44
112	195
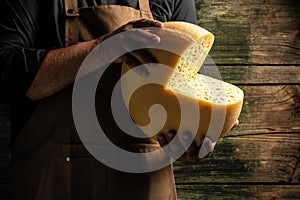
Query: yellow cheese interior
209	94
186	80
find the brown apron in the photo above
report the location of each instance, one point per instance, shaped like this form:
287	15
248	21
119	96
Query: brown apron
50	163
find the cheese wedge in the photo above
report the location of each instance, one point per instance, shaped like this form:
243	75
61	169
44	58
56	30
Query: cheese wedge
177	97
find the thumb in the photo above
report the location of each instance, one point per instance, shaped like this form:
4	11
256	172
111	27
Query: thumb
206	147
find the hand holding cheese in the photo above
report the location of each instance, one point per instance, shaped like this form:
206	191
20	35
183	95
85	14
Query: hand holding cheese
179	98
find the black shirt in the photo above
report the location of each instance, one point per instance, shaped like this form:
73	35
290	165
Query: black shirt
30	28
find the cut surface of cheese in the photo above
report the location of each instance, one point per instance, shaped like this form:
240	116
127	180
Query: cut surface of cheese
188	101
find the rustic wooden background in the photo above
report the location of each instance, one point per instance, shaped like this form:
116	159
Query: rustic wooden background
257	47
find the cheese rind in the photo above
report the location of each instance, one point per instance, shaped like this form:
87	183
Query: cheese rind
214	105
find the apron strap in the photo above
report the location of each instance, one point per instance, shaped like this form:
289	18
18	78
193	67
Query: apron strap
145	9
71	8
73	30
72	22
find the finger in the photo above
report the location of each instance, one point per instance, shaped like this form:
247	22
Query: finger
170	135
171	149
132	62
162	140
135	38
192	150
235	124
176	148
143	56
206	148
141	35
189	143
147	23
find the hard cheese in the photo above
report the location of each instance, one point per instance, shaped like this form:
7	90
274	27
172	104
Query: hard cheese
174	96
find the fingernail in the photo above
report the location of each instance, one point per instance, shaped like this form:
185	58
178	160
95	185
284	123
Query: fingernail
203	152
142	72
210	144
159	137
185	136
206	147
152	64
213	145
159	24
170	135
156	39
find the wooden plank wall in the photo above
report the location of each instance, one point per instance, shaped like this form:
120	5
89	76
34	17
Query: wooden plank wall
257	47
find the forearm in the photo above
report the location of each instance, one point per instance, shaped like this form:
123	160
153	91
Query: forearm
59	69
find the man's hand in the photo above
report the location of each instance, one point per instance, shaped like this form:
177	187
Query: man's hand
136	37
60	66
193	153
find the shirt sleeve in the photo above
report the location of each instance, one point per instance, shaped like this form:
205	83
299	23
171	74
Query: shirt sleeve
184	10
19	58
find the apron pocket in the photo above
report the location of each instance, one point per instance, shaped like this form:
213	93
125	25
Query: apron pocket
86	177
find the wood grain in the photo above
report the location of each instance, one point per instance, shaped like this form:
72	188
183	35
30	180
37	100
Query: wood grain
296	173
252	32
255	74
270	158
232	192
257	47
270	109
